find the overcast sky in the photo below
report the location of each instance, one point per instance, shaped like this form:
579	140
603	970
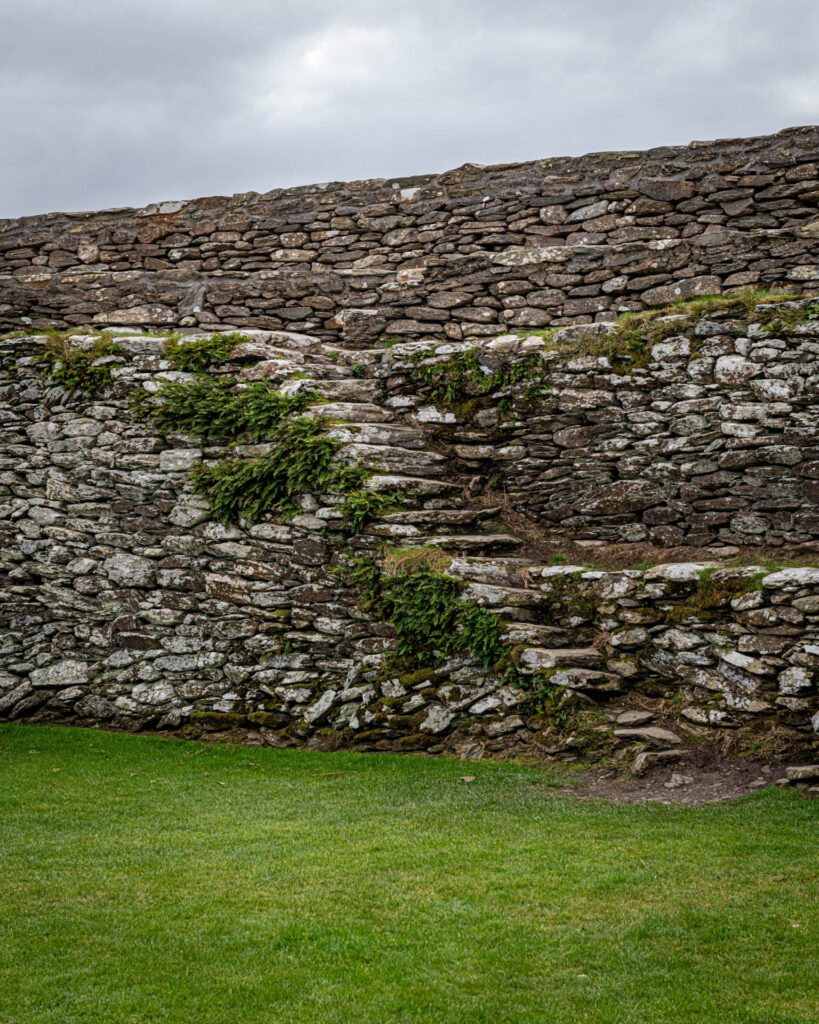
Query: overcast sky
125	102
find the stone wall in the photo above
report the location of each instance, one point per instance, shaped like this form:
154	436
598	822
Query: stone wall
715	441
125	602
463	254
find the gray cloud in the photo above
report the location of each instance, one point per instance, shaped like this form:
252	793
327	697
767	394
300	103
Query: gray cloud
109	104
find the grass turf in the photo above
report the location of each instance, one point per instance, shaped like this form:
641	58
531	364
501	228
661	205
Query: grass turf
149	881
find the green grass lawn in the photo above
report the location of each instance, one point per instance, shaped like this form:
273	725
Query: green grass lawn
145	881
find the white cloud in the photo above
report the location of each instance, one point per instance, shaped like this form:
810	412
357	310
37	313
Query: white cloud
312	74
107	104
801	95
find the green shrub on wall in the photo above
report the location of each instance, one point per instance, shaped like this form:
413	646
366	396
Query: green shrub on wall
198	354
218	410
430	617
464	376
360	506
78	369
302	461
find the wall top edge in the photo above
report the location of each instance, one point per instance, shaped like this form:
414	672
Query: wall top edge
695	153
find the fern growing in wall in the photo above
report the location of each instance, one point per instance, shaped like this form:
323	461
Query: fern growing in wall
431	619
198	354
218	410
302	461
87	370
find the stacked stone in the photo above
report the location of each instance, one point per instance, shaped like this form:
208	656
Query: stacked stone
124	602
713	442
465	253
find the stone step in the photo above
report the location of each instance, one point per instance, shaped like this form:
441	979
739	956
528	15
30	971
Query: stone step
282	367
534	658
511	572
390	434
531	633
401	533
588	679
350	389
422	533
351	412
418	486
435	517
498	596
325	371
475	542
653	734
289	341
392	459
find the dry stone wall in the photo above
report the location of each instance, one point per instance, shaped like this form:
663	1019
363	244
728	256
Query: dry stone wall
124	602
464	254
388	305
714	441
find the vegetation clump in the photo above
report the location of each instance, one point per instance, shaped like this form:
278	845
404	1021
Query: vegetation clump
218	410
565	591
711	593
360	506
302	461
78	369
556	705
426	608
783	319
198	354
635	334
465	376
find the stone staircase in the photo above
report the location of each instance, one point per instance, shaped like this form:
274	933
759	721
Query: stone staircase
435	512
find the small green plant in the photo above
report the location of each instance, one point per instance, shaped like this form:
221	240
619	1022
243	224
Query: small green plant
360	506
198	354
428	613
712	593
554	703
781	320
357	370
9	365
217	410
568	597
78	369
464	376
302	461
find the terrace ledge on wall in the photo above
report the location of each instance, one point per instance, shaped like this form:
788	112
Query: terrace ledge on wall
464	254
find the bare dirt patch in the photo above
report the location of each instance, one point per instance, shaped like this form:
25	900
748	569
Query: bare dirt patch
700	777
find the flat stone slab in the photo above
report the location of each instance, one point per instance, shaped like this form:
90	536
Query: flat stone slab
797	577
642	762
651	733
534	658
800	772
634	717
